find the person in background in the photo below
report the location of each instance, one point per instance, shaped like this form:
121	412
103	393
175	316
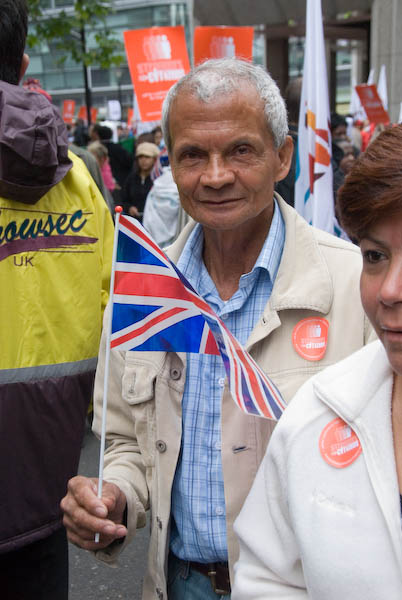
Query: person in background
158	137
100	154
286	187
99	151
120	159
338	134
81	136
139	182
176	442
93	167
350	153
164	217
323	518
56	239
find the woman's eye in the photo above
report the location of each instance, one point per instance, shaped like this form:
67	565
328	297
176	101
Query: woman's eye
373	256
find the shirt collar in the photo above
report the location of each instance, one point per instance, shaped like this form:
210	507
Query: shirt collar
191	263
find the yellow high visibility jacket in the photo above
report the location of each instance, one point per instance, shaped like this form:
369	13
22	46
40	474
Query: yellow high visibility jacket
55	261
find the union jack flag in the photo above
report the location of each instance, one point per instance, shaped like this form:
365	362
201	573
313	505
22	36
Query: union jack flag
161	161
156	309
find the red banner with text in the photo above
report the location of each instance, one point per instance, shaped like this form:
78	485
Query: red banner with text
223	42
157	58
68	110
83	114
372	103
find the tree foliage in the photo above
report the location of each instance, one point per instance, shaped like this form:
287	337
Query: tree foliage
67	31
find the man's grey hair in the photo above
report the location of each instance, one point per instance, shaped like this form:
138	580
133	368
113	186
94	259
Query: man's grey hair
222	76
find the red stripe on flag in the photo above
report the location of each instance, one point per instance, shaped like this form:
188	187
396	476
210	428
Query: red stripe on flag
254	383
146	327
150	285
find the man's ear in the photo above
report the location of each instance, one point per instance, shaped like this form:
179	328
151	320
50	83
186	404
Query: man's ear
285	154
24	65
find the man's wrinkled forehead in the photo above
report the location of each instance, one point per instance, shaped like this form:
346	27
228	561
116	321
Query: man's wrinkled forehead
245	95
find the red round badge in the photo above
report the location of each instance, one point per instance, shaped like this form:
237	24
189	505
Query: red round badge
310	337
339	445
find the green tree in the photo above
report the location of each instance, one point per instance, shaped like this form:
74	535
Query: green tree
67	31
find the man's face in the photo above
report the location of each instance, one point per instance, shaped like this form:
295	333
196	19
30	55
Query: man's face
223	158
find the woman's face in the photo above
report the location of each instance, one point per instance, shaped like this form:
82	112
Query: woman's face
381	285
146	163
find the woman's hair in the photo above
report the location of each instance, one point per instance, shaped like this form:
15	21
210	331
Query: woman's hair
98	150
373	188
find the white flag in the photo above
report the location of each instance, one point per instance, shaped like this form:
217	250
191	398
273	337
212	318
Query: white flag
382	87
314	197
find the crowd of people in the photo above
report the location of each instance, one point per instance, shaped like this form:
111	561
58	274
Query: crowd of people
240	507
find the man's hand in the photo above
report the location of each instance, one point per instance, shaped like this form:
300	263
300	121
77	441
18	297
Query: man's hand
85	514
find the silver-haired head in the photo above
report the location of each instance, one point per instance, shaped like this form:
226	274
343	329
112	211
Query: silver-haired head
222	76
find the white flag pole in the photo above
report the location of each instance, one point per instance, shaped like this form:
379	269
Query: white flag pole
118	211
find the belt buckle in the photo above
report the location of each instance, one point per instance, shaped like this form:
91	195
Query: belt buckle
212	577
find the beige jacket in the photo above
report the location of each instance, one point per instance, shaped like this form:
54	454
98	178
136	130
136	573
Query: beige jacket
318	276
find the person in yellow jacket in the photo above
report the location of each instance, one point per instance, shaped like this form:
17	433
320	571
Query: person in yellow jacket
56	238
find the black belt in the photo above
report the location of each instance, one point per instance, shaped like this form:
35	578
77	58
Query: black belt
218	574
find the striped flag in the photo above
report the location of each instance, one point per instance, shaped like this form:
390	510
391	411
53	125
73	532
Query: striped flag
314	198
156	309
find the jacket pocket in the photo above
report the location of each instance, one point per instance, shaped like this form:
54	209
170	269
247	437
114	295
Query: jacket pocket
138	387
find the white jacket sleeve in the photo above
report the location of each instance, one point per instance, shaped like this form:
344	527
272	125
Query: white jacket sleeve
269	564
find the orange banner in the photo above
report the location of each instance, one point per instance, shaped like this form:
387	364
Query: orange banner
68	110
157	58
130	116
221	42
372	104
83	114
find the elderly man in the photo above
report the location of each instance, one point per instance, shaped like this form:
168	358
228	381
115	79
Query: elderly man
177	442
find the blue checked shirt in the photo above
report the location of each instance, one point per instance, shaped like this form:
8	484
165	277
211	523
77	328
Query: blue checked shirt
198	501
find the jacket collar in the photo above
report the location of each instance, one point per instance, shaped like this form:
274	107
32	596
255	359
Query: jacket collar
292	289
350	386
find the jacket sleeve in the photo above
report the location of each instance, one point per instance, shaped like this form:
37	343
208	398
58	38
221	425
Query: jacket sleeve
106	237
269	564
124	465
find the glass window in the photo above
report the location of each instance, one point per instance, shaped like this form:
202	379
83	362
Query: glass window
53	81
100	77
74	79
59	3
35	65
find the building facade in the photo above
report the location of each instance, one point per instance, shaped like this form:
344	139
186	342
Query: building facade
66	81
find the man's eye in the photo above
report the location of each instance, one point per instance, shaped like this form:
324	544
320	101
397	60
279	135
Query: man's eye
373	256
242	150
189	155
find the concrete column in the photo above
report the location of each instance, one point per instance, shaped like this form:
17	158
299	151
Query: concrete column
386	49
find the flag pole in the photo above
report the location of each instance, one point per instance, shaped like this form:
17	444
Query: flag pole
118	210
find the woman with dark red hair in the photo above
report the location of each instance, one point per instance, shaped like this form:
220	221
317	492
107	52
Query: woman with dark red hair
323	519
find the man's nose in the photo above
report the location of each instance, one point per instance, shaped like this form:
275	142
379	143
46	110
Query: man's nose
217	173
390	291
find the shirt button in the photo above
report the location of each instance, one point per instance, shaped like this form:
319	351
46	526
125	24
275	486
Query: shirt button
221	382
219	511
225	316
218	446
160	446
